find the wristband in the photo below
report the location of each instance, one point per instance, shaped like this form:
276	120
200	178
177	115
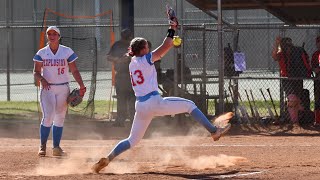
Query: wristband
171	33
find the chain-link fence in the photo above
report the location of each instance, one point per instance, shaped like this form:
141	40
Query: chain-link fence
271	75
258	93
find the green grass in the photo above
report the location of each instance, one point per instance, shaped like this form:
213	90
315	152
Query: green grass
12	107
101	110
29	110
261	106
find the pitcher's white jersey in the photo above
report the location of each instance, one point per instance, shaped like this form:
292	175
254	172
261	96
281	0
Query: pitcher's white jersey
143	75
55	66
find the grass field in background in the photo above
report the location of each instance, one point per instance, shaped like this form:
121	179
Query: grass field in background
261	106
30	110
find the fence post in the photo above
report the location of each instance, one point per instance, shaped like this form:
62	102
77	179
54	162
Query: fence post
221	60
8	48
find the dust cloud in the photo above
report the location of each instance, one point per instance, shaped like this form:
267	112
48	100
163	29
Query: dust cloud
161	150
178	151
208	162
75	163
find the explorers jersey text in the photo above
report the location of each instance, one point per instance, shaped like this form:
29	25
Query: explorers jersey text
55	66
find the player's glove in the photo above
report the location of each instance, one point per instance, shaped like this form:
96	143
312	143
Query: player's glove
74	98
173	20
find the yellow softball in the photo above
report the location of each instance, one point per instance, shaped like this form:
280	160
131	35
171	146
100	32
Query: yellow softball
177	41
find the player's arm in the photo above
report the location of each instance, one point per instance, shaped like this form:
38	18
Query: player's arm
276	50
166	45
38	77
76	74
315	63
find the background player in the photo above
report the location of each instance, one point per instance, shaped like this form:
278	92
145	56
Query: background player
51	67
125	94
148	101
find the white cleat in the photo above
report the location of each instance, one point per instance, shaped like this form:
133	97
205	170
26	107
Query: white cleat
222	124
103	162
220	132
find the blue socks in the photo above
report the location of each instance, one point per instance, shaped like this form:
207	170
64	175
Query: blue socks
202	119
44	134
56	135
120	148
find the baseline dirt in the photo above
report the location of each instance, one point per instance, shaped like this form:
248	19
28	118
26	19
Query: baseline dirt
167	152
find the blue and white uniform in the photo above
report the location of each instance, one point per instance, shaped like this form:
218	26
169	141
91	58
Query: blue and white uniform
150	104
55	69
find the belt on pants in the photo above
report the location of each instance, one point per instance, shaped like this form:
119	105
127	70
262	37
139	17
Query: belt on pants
147	96
58	84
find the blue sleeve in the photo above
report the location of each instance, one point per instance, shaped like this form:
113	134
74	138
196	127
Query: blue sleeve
37	58
72	58
149	58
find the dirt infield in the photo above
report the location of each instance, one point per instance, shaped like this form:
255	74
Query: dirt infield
165	153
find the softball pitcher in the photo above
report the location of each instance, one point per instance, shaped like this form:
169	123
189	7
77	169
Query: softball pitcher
51	68
149	103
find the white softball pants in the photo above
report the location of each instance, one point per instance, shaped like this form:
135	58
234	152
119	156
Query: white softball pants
54	105
156	106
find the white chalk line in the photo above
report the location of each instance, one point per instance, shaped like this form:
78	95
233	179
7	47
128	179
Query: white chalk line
240	174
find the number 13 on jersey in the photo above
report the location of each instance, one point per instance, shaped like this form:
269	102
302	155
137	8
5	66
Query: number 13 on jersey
136	77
